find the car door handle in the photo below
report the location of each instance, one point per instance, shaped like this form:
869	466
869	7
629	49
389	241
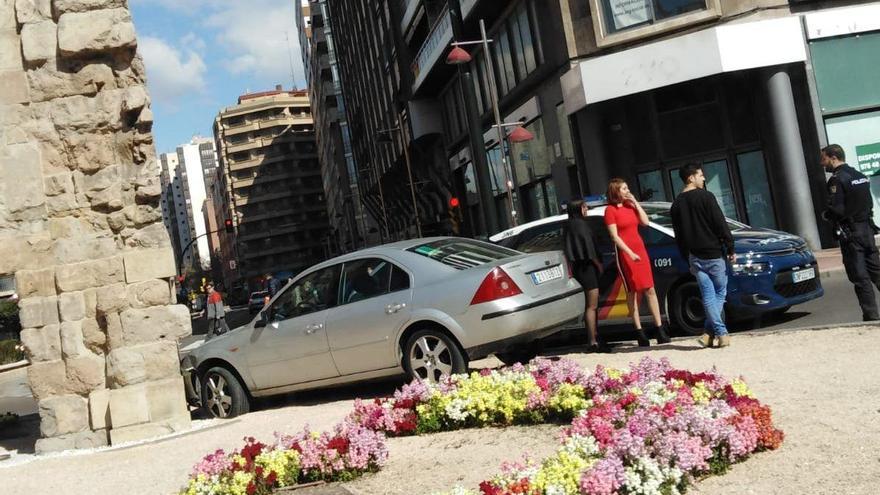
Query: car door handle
394	308
314	327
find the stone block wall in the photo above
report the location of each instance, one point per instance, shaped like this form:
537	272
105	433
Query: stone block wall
81	227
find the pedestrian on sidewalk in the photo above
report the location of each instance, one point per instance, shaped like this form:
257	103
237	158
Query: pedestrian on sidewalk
850	210
623	215
582	253
704	239
216	313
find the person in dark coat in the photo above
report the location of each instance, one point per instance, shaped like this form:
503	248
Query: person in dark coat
581	251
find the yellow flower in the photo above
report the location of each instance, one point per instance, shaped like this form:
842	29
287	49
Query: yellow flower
701	393
741	389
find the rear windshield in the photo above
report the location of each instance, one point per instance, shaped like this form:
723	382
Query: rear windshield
661	216
463	253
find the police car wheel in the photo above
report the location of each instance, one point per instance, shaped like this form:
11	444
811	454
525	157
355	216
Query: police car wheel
687	309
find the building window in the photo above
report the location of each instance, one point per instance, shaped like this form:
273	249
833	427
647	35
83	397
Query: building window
621	15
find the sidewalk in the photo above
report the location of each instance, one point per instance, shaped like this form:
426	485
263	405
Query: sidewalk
830	261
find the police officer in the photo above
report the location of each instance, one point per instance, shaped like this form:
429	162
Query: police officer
850	209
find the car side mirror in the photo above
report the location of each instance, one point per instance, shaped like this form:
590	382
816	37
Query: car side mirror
263	321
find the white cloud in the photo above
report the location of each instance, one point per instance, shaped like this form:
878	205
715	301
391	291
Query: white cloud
255	36
172	73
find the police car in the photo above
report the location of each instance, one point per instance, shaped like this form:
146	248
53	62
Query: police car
773	270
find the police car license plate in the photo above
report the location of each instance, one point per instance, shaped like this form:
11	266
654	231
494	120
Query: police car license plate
547	275
804	275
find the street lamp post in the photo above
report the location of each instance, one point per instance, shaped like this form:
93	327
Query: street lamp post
459	56
412	188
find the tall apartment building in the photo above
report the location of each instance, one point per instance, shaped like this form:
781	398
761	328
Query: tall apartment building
630	88
348	222
266	145
185	192
173	211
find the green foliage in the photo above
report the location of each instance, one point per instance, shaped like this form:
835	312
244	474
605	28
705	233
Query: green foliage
9	353
9	323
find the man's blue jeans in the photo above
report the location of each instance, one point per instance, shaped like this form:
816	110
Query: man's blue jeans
712	279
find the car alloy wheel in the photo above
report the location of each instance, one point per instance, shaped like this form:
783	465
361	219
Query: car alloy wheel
687	309
430	355
218	401
222	394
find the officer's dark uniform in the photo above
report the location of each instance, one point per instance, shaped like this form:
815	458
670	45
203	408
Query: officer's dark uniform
850	208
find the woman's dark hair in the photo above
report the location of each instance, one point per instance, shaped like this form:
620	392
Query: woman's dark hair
574	208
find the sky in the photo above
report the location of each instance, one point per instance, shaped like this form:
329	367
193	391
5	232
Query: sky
201	55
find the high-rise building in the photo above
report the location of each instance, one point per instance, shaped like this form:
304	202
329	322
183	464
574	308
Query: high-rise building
276	196
608	88
185	192
348	222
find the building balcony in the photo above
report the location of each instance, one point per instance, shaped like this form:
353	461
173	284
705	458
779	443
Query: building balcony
283	230
432	49
267	158
268	178
409	9
269	196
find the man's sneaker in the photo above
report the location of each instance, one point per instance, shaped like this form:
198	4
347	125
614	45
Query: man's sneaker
705	340
724	341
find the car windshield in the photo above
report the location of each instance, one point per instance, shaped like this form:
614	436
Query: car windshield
662	217
463	253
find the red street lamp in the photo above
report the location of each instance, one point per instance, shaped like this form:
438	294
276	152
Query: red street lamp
520	135
458	56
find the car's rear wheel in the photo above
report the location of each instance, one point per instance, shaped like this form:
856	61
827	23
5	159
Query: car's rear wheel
686	310
223	396
429	354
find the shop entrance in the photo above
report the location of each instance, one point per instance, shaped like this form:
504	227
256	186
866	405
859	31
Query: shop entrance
738	180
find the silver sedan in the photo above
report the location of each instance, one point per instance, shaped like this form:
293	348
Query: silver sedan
423	307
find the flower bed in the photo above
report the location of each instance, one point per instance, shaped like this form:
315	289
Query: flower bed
650	430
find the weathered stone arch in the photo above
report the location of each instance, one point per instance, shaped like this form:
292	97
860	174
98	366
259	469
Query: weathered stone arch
81	226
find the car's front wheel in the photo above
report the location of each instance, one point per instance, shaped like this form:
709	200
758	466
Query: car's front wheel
686	309
429	354
223	396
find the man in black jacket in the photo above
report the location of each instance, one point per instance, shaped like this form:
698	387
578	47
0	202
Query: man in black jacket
850	209
704	239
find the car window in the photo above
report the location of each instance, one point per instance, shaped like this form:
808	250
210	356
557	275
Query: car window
546	237
363	279
315	292
654	237
399	279
462	253
597	225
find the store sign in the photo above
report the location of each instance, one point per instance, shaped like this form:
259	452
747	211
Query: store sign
868	159
626	13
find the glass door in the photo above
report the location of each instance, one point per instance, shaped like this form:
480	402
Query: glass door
717	182
651	187
756	190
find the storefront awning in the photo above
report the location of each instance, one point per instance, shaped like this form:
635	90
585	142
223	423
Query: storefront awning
726	48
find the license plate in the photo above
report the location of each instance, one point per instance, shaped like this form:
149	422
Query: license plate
804	275
547	275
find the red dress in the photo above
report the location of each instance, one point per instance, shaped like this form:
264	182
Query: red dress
636	275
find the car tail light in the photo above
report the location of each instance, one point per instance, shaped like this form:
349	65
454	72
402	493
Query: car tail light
568	267
496	285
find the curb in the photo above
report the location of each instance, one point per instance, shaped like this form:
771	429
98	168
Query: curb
814	328
15	365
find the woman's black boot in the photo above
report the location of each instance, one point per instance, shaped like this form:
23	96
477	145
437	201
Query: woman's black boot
662	335
642	338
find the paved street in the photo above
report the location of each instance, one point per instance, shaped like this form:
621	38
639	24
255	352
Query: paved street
838	306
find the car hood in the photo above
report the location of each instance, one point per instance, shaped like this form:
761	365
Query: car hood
765	240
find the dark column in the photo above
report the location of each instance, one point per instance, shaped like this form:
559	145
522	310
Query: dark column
796	200
475	133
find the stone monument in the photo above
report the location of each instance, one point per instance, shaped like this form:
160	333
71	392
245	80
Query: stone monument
81	228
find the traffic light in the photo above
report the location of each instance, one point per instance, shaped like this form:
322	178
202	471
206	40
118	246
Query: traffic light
228	225
455	215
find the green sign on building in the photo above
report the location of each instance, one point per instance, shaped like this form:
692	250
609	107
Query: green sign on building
868	159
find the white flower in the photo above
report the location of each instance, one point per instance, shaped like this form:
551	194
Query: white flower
457	409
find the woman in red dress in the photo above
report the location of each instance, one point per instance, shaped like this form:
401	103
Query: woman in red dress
623	215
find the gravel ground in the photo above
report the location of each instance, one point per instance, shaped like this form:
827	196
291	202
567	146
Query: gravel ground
822	385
